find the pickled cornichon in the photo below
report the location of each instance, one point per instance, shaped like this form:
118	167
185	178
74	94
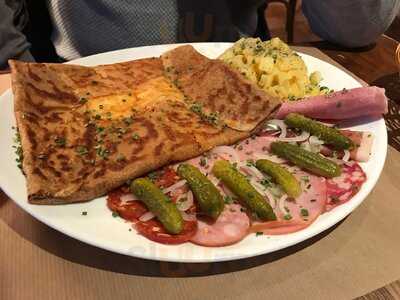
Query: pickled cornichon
241	187
206	194
159	204
310	161
329	135
280	175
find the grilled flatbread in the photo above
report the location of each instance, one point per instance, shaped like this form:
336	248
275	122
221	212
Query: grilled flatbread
86	130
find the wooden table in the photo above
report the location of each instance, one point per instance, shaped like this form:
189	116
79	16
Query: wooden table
376	66
355	257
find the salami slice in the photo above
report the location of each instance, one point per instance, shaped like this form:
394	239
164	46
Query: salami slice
132	210
154	230
341	189
296	214
230	227
128	210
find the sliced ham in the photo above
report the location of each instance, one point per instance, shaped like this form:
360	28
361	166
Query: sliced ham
341	189
250	148
296	214
345	104
363	141
230	227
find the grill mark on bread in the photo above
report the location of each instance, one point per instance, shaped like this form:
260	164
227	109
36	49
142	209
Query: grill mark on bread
31	117
57	94
38	172
33	75
89	139
99	173
39	106
32	138
53	118
116	166
158	148
62	157
65	166
47	166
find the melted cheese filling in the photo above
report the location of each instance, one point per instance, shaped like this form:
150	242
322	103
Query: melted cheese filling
146	95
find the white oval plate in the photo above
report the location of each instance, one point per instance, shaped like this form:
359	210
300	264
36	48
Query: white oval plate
100	229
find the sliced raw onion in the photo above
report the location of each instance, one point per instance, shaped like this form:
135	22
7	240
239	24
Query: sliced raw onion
185	205
175	186
214	180
227	191
281	204
250	170
128	197
146	216
188	217
346	155
314	140
313	144
340	161
281	124
271	198
272	158
306	145
264	192
300	138
327	124
258	186
233	155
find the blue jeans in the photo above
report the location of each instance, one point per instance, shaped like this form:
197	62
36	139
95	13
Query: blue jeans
350	23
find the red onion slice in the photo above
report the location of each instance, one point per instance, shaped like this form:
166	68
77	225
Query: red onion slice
300	138
272	158
258	186
271	198
128	197
213	179
346	156
281	204
146	216
188	217
227	191
314	140
252	171
264	192
175	186
281	124
188	203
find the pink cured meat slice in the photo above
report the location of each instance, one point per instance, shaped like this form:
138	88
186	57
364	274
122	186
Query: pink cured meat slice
363	141
346	104
230	227
341	189
303	210
249	147
245	150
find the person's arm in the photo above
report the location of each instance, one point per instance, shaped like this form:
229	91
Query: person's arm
350	23
13	43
